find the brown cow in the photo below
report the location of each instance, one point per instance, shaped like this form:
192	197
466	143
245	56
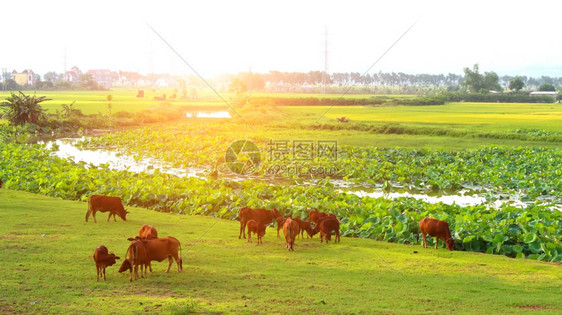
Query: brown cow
104	204
103	260
136	255
280	220
148	232
326	227
304	226
315	216
437	228
257	228
260	215
161	248
290	230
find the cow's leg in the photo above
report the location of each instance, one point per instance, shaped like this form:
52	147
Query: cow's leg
241	228
424	241
277	231
114	219
109	216
104	272
97	273
170	261
94	215
88	214
178	259
436	241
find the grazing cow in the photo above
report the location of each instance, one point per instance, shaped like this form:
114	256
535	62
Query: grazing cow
148	232
257	228
104	204
161	248
304	226
103	260
136	255
290	230
437	228
326	227
260	215
280	220
315	216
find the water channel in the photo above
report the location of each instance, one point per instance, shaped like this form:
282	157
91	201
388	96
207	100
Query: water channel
66	149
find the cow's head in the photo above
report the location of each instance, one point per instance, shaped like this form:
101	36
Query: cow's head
126	265
275	213
308	229
113	260
123	214
313	215
450	244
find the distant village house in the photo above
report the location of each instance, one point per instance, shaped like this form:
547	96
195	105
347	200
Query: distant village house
23	78
73	75
103	77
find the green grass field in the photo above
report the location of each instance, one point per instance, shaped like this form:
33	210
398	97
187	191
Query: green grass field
92	102
47	267
481	116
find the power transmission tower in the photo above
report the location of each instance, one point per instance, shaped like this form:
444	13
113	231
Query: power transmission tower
325	77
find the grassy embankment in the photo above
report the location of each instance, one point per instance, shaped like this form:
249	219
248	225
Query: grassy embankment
46	266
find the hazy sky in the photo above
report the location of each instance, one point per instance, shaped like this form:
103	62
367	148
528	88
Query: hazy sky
509	37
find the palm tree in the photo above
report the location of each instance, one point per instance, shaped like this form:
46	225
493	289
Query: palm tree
20	108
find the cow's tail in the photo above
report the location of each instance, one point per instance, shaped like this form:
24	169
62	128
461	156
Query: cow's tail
181	258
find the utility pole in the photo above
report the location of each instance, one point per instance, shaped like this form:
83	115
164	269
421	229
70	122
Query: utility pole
4	87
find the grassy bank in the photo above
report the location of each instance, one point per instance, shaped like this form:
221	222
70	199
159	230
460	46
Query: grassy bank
46	266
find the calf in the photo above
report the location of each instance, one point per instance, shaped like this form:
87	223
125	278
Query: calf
280	220
262	216
104	204
161	248
257	228
437	228
326	227
315	216
148	232
304	226
136	255
103	260
290	230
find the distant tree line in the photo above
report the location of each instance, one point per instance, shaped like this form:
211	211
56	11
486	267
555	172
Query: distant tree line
471	81
338	82
52	81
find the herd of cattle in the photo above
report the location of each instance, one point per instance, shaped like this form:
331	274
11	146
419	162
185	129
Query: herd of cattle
148	247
